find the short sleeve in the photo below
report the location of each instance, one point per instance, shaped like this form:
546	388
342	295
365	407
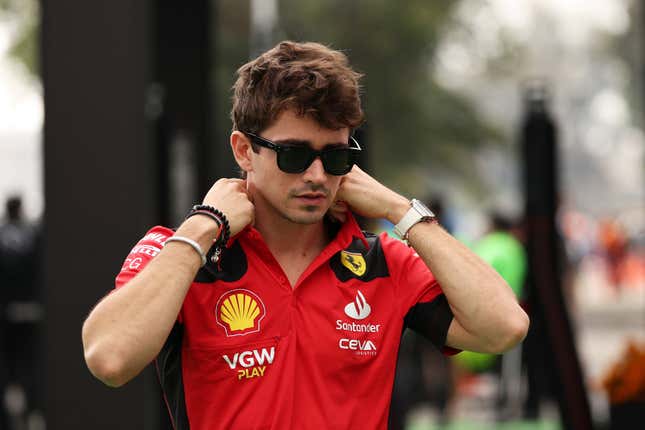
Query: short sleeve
142	253
422	302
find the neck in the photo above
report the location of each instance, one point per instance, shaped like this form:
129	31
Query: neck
285	237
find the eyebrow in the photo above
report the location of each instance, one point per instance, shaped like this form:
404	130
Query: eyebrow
301	142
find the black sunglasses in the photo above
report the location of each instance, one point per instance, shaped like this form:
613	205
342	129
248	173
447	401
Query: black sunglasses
297	159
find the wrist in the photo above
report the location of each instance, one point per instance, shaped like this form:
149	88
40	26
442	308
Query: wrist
224	228
417	213
202	229
412	231
397	209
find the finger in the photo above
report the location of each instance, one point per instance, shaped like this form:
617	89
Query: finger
240	183
253	218
340	205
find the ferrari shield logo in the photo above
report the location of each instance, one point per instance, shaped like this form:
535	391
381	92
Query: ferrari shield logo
354	261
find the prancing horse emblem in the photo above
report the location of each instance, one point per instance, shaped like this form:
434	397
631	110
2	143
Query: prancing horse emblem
354	262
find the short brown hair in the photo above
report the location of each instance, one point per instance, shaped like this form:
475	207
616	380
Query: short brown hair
310	78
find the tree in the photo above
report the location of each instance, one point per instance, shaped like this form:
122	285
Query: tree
24	14
415	128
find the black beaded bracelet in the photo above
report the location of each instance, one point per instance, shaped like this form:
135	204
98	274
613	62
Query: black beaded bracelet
226	234
225	229
206	213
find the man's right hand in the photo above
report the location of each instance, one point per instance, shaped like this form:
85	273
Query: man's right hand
230	196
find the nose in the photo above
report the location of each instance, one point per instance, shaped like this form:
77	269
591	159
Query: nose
315	173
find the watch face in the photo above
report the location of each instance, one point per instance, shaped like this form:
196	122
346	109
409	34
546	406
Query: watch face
418	212
422	209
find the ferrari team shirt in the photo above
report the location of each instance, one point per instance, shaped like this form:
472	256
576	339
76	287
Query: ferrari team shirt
249	351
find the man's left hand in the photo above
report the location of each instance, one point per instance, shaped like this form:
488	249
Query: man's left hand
369	198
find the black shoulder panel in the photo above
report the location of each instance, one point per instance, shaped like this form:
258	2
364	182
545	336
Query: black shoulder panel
431	320
356	255
168	364
232	265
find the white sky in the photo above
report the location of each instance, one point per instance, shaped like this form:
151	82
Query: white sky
559	42
21	106
21	121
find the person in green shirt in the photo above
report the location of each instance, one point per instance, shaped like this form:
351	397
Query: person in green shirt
500	248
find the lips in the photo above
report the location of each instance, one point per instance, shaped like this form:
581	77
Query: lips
312	198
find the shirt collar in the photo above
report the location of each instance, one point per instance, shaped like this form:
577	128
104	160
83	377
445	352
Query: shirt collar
348	231
346	234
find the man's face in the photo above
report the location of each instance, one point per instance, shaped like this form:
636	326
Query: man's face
302	198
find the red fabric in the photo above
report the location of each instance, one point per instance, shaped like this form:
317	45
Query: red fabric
304	363
141	254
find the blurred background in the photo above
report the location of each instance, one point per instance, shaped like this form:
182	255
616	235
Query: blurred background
515	119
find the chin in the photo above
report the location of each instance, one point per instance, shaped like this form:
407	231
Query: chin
306	216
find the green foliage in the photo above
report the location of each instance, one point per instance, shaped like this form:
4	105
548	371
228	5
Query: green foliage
414	127
416	130
25	49
25	15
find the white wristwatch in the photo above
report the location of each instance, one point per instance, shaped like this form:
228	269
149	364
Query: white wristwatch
417	213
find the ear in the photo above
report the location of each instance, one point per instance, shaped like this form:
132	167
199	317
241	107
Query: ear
241	146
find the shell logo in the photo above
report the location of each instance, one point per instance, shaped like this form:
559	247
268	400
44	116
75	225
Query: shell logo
240	312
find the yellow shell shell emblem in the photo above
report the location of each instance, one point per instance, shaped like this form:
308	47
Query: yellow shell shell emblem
240	312
354	261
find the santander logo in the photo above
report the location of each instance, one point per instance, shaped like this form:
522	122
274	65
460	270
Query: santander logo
358	309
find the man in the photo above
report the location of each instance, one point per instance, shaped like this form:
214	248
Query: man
296	322
20	314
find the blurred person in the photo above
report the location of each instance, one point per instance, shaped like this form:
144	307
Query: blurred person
268	307
20	267
578	235
632	268
614	244
579	232
502	249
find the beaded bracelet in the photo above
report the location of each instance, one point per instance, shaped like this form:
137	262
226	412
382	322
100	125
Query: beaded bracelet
206	213
224	227
225	232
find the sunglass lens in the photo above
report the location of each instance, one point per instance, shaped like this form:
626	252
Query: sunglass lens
295	159
338	161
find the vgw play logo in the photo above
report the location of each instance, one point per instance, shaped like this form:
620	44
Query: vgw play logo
253	363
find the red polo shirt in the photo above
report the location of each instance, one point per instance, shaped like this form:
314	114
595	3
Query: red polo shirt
251	352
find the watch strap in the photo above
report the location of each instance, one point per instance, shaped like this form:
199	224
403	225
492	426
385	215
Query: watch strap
417	213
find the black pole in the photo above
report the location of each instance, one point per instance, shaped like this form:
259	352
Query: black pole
182	64
127	89
549	318
99	194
